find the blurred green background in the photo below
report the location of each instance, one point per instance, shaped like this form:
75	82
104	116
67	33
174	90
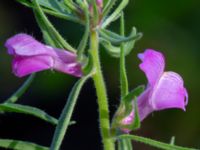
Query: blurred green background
172	27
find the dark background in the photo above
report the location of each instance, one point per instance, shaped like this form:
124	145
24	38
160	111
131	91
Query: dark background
169	26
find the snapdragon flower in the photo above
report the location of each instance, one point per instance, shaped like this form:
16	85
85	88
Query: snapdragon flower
29	56
164	90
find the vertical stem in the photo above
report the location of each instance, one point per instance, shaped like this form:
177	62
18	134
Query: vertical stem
107	140
123	76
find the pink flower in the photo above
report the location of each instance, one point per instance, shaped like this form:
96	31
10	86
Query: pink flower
99	3
164	90
32	56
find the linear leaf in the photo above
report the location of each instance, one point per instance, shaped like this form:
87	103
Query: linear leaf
21	90
53	12
117	39
154	143
51	29
66	114
20	145
17	108
109	37
108	6
84	40
116	13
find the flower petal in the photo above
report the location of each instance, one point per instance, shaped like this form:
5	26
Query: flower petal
153	65
69	68
23	66
65	62
169	92
144	107
25	45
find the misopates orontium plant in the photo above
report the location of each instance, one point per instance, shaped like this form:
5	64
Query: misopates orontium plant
164	89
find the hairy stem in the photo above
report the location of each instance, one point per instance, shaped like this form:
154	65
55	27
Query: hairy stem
123	76
107	140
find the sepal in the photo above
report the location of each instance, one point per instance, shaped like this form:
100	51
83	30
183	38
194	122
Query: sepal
128	103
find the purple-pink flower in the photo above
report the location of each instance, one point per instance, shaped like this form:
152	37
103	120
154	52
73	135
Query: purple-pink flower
32	56
164	90
99	3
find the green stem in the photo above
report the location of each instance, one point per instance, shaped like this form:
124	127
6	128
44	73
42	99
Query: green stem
123	76
21	90
107	140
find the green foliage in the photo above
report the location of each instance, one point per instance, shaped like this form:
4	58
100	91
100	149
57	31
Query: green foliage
52	32
153	143
109	38
17	108
66	114
20	145
122	65
115	14
83	43
130	103
127	105
134	93
21	90
108	6
117	45
117	39
54	8
124	144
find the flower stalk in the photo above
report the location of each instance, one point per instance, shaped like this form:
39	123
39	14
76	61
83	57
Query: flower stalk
104	118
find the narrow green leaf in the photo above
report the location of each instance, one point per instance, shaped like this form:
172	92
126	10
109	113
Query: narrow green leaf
117	39
64	16
48	4
83	43
20	145
21	90
124	144
46	36
55	5
17	108
66	114
25	3
70	4
108	6
53	12
51	30
116	12
154	143
114	51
